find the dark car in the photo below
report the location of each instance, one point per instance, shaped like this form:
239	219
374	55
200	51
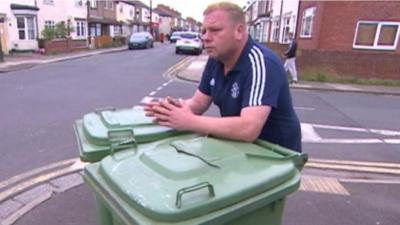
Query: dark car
140	40
175	36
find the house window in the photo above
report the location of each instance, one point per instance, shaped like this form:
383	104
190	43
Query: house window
275	34
121	9
108	4
117	30
80	28
286	29
26	27
131	12
376	35
307	22
49	24
93	4
48	2
78	3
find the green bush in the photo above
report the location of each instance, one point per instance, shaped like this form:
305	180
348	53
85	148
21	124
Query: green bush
58	31
48	33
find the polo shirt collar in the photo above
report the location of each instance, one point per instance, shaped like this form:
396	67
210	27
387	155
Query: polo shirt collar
241	62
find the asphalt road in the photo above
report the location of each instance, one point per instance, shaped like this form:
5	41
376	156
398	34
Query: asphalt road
40	104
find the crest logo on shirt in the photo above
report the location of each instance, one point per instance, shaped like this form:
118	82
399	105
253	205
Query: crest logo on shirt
235	90
212	82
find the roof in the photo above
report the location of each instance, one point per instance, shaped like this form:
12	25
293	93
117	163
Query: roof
139	3
162	13
26	7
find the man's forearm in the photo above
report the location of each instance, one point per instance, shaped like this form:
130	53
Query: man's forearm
235	128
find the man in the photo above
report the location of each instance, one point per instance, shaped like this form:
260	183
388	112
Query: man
290	63
244	79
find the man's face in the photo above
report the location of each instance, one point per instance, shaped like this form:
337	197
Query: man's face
218	34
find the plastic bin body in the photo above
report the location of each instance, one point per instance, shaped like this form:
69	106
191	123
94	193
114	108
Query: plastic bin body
189	179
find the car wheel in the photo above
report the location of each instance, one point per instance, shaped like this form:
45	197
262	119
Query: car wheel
177	50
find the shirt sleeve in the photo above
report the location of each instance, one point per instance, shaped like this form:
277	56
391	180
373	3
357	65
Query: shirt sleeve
263	82
206	78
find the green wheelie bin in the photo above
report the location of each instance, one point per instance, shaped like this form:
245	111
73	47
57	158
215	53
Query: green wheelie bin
142	173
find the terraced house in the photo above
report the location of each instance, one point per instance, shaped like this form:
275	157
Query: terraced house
18	25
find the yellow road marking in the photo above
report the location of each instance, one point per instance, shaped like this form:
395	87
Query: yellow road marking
37	180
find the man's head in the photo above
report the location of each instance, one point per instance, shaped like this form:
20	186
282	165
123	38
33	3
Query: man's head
224	30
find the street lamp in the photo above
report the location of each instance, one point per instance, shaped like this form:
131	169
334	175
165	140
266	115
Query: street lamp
151	17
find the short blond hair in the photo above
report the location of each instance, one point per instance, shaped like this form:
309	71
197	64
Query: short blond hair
235	13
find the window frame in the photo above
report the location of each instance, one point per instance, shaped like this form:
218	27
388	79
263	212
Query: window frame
275	31
49	23
78	3
80	28
304	20
93	4
376	45
48	2
29	33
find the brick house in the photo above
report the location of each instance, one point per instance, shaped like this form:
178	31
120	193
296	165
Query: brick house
102	21
350	38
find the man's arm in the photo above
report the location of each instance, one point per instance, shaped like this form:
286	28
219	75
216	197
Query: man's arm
199	102
246	127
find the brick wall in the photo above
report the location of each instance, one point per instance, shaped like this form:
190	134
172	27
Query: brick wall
330	49
340	21
357	63
64	45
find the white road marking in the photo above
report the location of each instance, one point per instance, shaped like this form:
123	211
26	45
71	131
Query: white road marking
159	88
356	129
304	108
152	93
197	65
392	141
146	100
309	134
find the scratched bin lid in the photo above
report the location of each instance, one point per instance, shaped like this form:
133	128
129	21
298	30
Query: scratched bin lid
183	177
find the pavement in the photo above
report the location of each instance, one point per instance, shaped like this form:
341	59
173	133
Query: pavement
22	193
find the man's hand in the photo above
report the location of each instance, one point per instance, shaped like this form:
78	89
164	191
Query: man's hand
173	113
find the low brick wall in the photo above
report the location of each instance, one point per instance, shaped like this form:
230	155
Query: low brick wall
64	45
361	64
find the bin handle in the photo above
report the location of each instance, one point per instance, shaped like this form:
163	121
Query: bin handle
196	187
109	108
122	142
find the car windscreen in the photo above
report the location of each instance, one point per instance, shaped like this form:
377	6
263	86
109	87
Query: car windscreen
176	34
189	36
138	36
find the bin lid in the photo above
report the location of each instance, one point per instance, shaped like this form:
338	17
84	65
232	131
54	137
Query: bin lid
184	177
105	131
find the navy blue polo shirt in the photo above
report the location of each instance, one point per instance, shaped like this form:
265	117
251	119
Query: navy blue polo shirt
257	79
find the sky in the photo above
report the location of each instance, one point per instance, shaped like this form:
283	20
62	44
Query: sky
192	8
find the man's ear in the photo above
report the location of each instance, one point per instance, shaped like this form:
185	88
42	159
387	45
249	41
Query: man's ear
240	32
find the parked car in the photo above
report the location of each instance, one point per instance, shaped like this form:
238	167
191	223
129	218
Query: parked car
175	36
189	42
141	40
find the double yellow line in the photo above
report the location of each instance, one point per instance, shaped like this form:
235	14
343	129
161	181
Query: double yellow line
355	166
